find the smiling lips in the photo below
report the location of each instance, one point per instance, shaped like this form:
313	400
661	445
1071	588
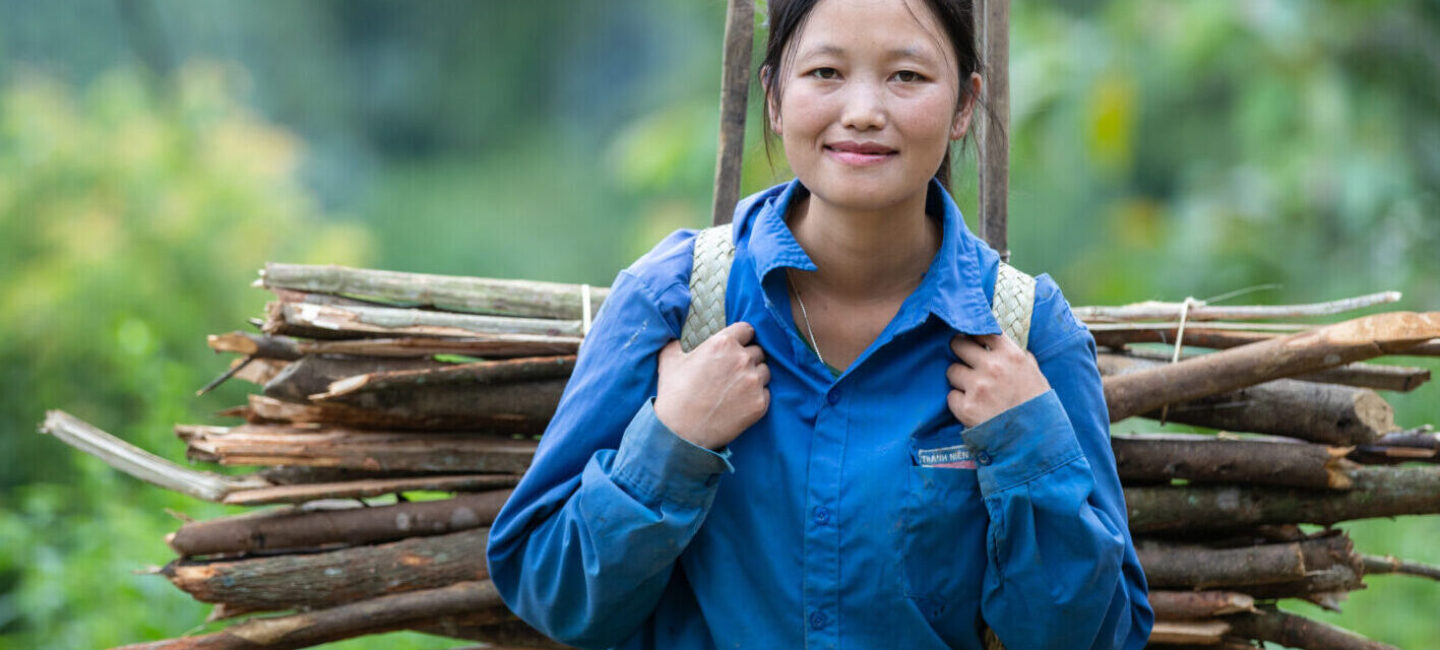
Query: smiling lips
859	153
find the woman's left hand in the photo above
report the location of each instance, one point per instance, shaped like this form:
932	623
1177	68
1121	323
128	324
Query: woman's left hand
994	375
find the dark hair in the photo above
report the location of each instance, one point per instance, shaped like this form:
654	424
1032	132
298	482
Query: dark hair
787	17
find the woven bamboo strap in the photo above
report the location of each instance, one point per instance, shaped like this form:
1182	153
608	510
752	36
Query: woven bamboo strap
1013	303
714	251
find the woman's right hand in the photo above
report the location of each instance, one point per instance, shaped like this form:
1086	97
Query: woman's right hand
712	394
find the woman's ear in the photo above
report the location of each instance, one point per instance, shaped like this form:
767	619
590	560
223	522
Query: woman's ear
967	108
772	110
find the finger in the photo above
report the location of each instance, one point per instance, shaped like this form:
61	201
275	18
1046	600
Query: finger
966	349
764	374
955	400
958	374
740	331
756	355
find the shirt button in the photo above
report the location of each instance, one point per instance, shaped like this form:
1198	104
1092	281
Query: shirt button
818	620
822	515
833	397
982	458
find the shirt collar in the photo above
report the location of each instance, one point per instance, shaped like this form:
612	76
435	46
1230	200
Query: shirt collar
953	289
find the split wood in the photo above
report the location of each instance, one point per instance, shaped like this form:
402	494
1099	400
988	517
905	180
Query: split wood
489	346
523	298
338	447
334	322
1367	337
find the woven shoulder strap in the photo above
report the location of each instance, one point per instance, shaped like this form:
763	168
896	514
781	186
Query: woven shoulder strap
714	252
1014	303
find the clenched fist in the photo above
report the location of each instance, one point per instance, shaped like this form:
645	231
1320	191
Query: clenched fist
710	395
994	375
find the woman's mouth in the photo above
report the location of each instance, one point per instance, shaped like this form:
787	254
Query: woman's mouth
859	153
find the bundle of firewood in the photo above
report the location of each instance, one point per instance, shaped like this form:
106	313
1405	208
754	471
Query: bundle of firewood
383	392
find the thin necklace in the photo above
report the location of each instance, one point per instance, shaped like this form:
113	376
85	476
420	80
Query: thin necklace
806	317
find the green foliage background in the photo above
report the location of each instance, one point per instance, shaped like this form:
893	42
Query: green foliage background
153	154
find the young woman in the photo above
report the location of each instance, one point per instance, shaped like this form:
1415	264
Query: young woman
861	459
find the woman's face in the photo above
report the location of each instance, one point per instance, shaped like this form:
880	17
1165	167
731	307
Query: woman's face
868	103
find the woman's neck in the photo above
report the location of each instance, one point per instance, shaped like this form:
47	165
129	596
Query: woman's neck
865	256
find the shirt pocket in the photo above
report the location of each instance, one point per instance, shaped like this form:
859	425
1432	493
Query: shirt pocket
945	522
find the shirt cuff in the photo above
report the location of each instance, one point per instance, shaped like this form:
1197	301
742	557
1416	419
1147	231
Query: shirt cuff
653	460
1022	443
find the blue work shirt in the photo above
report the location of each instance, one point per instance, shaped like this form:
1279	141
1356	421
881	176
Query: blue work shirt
858	512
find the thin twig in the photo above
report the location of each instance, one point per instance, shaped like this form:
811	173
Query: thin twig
1153	310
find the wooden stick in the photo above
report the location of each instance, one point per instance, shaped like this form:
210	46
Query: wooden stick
1200	311
480	373
289	529
1376	492
333	577
1207	633
1194	337
734	90
1325	347
1359	374
1299	632
490	346
367	488
1375	564
1169	565
1326	413
331	322
312	374
337	447
1182	605
994	168
523	298
142	464
1139	458
382	614
507	408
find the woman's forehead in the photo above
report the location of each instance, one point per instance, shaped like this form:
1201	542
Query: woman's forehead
894	28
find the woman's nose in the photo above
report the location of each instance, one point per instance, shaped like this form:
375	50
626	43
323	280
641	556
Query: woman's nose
864	107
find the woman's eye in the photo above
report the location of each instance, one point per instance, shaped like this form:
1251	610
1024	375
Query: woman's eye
825	73
908	76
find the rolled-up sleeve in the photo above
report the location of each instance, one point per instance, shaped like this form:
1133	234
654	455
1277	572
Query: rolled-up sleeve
585	546
1058	541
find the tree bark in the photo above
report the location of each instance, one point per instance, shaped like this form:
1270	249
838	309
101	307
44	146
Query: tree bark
334	577
1198	310
292	529
1299	632
1198	567
373	616
338	447
313	374
1146	390
368	488
488	346
1359	374
1140	458
1375	564
1196	336
1190	605
334	322
1376	492
1206	633
511	408
521	298
484	373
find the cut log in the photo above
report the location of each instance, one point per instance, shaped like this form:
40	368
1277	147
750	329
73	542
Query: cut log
291	529
1196	567
1188	632
334	577
490	346
1189	605
338	447
313	374
1199	310
1146	390
1294	631
1140	458
1360	375
482	373
1376	492
453	293
382	614
368	488
521	407
510	408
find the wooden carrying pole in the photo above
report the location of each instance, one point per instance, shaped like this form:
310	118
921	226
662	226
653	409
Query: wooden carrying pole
994	134
734	91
